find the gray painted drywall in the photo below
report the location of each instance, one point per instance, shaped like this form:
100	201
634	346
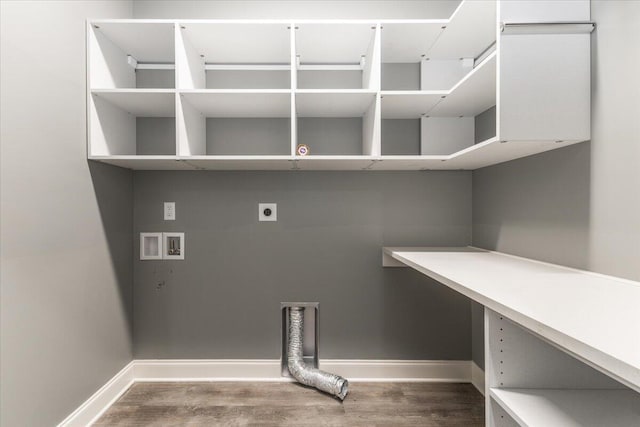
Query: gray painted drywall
400	137
329	80
270	136
400	76
156	136
537	207
326	246
485	125
223	300
578	206
477	333
155	79
331	135
66	224
240	79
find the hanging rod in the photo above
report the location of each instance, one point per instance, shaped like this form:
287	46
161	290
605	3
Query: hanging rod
332	67
247	67
251	67
254	67
558	27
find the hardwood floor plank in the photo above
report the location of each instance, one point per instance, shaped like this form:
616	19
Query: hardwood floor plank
291	404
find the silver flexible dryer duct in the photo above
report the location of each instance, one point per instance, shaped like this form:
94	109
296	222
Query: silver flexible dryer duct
329	383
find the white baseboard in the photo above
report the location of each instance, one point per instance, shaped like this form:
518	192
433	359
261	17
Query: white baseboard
269	370
457	371
101	400
477	377
207	370
263	370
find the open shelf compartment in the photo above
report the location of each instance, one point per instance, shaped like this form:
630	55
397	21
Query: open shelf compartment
338	55
132	122
131	54
234	55
449	121
559	408
434	54
234	123
338	123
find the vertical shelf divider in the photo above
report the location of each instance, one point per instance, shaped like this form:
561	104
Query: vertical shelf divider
294	85
177	40
190	74
192	129
372	120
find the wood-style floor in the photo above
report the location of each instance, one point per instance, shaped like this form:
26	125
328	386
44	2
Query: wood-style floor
291	404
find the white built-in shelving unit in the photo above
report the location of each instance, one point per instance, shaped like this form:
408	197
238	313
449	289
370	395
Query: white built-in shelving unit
562	346
466	92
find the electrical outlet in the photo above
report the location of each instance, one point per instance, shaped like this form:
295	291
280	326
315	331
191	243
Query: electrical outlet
169	211
267	212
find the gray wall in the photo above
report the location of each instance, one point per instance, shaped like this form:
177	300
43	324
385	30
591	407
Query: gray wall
325	246
65	283
223	300
578	206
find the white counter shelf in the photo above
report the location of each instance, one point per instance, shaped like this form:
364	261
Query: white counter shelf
547	327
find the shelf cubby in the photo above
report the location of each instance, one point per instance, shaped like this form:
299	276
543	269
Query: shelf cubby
132	122
553	407
234	122
234	55
469	32
337	55
131	54
448	118
400	137
443	50
337	122
472	95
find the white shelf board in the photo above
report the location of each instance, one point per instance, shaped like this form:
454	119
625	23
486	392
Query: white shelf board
240	162
333	43
399	163
472	95
493	152
409	104
471	29
241	43
240	103
146	40
570	408
141	102
548	299
144	162
334	162
333	103
408	42
480	155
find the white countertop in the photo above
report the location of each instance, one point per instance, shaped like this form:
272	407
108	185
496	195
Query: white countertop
594	317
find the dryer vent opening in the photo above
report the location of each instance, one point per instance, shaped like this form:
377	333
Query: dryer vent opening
301	371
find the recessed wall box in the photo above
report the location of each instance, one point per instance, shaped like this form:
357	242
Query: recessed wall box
174	246
150	246
267	212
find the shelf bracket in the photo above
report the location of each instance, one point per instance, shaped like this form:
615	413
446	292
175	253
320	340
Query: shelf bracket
247	67
133	62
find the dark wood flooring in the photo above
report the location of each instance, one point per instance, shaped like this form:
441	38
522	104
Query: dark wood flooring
291	404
